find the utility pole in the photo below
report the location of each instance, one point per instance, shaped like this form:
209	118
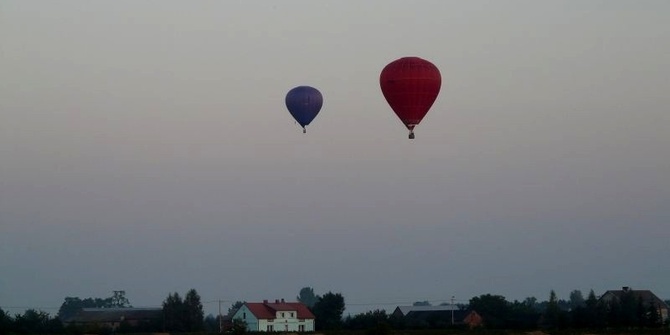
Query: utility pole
452	310
220	319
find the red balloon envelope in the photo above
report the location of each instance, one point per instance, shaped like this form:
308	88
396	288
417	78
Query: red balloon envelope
410	85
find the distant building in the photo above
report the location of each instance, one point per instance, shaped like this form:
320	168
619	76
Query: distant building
645	296
113	317
437	316
277	316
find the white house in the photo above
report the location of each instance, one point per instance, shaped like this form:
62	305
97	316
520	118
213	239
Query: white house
278	316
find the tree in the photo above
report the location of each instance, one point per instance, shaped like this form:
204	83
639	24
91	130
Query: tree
183	315
551	314
194	313
328	311
211	323
531	302
595	313
307	297
652	317
32	322
591	301
239	327
119	299
235	307
629	306
373	322
369	320
6	322
576	299
72	305
494	309
522	315
173	312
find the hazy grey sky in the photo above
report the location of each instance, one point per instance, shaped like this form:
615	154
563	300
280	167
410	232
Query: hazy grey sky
145	146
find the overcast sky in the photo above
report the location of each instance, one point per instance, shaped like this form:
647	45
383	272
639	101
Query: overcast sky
145	146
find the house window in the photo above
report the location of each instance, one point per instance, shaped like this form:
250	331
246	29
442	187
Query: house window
244	315
291	314
301	328
271	328
282	314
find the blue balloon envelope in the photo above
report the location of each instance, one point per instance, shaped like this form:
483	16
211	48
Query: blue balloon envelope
304	103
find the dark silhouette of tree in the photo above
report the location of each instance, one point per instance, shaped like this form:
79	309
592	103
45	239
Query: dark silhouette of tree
185	315
194	317
595	312
522	315
613	312
494	309
239	327
6	322
72	305
307	297
576	299
234	308
119	299
32	322
173	312
628	309
531	302
652	317
551	314
211	323
328	311
373	321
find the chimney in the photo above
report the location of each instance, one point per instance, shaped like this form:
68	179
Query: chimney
276	301
626	288
282	300
265	301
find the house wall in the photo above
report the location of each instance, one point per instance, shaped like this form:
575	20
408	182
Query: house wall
278	325
244	314
286	324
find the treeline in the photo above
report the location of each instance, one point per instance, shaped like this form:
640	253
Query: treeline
72	305
187	315
628	312
178	315
30	322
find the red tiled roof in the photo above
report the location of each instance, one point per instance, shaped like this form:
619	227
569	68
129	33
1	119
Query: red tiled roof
268	310
260	310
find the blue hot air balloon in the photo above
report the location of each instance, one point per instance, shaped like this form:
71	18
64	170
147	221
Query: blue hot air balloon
304	103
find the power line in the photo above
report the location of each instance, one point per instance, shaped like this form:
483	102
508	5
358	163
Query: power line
218	301
28	307
215	301
406	302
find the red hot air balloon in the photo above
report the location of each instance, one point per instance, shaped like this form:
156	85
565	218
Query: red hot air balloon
410	86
